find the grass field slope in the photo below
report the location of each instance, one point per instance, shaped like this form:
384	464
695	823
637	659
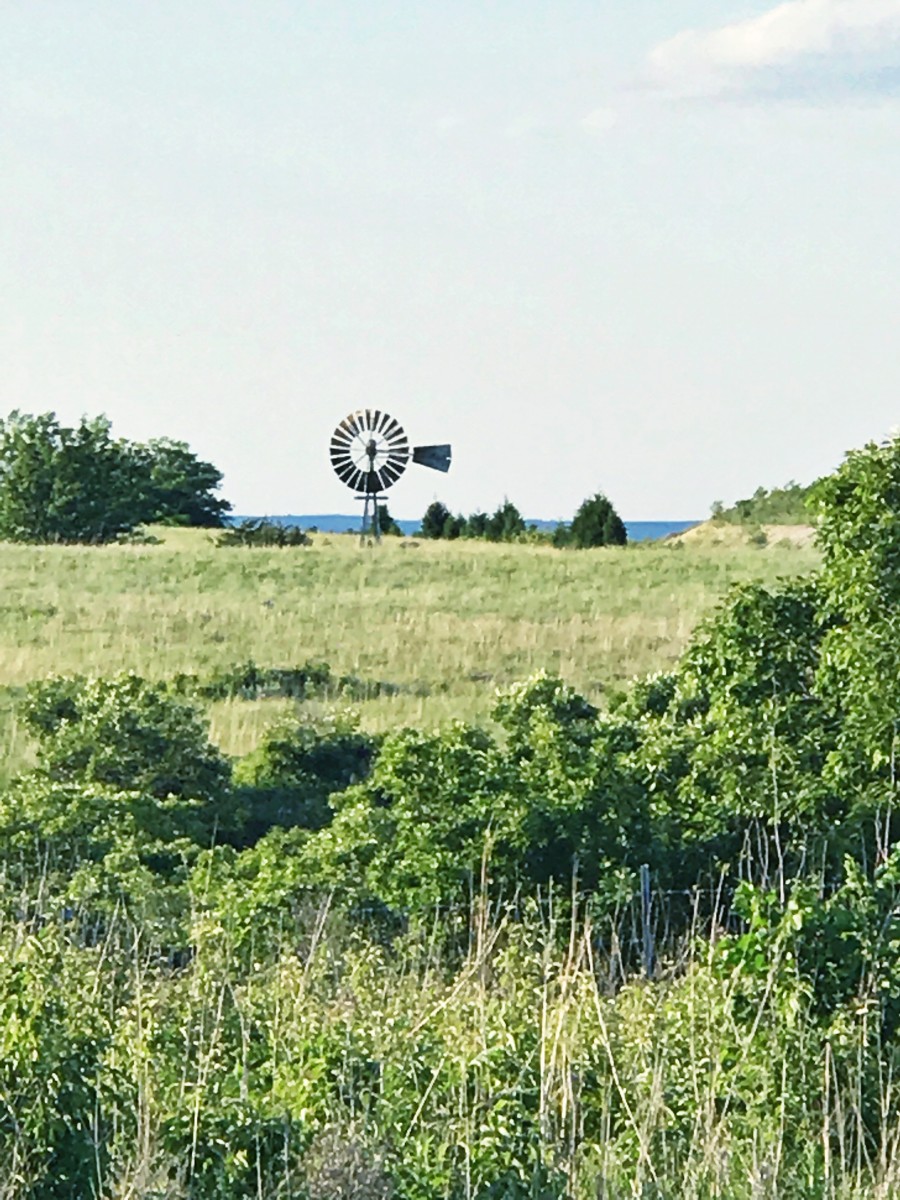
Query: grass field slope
442	624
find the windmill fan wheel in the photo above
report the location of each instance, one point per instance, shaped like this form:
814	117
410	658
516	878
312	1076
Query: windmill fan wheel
369	451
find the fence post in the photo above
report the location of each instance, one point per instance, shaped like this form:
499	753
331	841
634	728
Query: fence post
646	930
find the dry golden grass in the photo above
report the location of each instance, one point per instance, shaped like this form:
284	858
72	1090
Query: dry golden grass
446	623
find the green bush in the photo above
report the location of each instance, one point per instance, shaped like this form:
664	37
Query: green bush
124	733
288	779
257	531
441	812
249	681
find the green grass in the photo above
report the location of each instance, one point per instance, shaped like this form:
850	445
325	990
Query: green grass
447	623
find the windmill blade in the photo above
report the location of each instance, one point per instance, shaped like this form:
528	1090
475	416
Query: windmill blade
383	422
394	432
374	416
391	472
353	478
350	475
352	424
345	469
436	457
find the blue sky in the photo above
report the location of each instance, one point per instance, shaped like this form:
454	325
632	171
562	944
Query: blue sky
647	248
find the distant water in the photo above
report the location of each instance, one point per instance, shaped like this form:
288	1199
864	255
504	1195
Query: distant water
638	531
648	531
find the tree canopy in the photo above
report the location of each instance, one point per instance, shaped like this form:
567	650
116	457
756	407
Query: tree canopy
182	485
788	505
80	484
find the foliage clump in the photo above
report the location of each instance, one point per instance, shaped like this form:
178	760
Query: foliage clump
123	733
595	524
505	524
288	779
251	681
257	531
788	505
79	484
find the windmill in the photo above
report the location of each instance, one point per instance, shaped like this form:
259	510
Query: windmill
370	451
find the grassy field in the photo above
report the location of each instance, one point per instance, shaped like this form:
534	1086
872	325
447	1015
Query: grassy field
444	623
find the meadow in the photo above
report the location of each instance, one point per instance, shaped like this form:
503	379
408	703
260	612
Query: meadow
442	624
627	932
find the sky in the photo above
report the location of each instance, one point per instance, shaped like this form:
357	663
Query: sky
647	248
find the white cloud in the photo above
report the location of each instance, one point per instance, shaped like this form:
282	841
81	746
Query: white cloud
799	45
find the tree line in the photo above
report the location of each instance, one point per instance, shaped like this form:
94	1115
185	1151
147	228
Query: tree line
596	523
80	484
788	505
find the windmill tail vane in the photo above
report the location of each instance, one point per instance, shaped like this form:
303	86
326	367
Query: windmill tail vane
370	451
436	457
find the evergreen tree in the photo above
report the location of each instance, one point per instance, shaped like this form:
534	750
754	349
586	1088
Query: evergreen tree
476	525
387	526
435	519
454	527
506	524
614	532
596	524
560	536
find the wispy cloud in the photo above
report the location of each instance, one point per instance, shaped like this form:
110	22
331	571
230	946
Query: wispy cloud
802	47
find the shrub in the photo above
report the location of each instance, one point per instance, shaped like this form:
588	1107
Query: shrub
288	779
249	681
124	733
554	798
260	532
